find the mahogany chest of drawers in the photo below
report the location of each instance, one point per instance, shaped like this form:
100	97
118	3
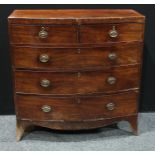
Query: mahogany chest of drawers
75	69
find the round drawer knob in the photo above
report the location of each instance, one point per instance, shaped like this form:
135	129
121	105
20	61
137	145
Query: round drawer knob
44	58
43	34
113	33
46	108
111	80
45	83
112	56
110	106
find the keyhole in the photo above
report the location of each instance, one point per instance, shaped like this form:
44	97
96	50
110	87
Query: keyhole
78	101
79	74
79	51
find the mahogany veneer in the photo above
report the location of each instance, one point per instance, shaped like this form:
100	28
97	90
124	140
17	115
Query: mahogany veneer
76	69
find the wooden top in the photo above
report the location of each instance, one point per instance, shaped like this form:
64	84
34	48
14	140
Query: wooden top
74	16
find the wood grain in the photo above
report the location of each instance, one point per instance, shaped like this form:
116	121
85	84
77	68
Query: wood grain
70	83
82	125
85	34
28	34
75	58
75	16
67	108
98	34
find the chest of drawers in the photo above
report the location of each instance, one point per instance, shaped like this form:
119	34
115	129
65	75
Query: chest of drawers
75	69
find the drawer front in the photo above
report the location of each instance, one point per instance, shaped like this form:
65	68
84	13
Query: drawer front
50	58
67	109
111	80
98	34
28	34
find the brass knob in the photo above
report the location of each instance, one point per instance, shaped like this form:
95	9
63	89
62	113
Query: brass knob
113	33
43	34
111	80
45	83
110	106
46	108
112	56
44	58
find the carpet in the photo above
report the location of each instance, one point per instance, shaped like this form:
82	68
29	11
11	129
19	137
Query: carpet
107	138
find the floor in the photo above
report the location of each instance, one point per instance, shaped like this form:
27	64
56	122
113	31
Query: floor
108	138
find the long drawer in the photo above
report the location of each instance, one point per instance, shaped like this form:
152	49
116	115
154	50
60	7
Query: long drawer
73	58
88	108
110	80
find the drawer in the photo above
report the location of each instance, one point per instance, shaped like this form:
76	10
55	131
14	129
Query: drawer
66	58
30	34
87	108
98	34
110	80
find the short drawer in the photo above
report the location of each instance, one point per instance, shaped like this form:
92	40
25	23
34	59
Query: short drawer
67	58
110	80
101	33
30	34
85	108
